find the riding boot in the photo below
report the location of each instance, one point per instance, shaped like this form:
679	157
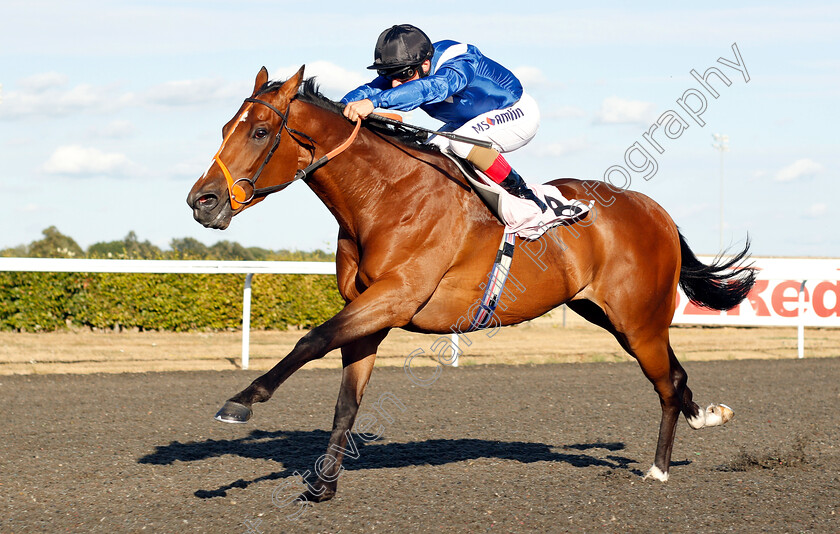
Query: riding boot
515	185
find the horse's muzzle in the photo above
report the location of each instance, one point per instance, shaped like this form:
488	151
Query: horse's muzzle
210	210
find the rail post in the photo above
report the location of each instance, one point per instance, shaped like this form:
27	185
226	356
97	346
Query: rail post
246	321
456	349
800	328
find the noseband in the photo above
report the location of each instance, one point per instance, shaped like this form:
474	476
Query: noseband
249	184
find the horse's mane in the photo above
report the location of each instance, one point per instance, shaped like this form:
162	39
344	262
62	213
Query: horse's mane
310	92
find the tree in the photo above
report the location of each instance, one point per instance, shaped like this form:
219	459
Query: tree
19	251
55	245
134	248
130	247
189	247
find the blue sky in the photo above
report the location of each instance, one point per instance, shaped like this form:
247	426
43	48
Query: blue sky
111	110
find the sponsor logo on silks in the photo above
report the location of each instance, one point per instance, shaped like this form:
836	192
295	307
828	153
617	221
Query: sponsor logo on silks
500	118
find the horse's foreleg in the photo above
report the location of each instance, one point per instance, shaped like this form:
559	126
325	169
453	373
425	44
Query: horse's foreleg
385	304
312	346
358	358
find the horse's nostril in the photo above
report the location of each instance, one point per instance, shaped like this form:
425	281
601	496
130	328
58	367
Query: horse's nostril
206	201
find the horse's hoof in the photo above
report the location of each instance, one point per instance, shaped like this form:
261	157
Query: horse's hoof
310	496
726	413
713	415
718	414
656	474
233	412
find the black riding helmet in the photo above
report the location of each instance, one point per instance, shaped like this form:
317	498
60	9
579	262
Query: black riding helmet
400	46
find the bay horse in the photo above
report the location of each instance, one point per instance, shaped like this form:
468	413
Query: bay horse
415	244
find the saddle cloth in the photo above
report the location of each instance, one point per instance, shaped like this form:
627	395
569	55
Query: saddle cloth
520	216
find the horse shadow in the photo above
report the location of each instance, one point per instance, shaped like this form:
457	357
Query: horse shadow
298	452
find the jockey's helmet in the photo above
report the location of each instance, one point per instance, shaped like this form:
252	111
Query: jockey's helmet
402	45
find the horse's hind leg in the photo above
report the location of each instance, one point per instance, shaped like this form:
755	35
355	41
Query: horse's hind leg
713	415
654	358
653	352
357	359
669	379
652	349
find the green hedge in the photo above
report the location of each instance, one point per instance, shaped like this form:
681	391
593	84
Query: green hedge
50	301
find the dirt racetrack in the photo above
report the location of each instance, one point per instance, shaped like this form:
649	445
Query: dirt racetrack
543	340
532	448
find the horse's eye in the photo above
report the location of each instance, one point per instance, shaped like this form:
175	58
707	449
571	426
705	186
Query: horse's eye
260	133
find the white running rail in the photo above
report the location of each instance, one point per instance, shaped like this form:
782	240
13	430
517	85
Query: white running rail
249	268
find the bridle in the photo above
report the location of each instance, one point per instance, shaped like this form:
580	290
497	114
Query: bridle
245	185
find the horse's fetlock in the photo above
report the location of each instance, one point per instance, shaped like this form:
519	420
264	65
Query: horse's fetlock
261	395
254	393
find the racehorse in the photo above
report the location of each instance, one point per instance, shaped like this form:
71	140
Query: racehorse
415	243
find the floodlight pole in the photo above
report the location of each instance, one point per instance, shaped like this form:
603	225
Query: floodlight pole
721	145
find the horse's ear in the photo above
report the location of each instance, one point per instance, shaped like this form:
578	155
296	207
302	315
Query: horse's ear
262	79
290	88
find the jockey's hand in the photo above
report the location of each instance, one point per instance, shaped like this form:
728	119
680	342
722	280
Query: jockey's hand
359	109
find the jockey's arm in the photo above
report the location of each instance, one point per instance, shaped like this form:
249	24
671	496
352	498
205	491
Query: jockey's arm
359	109
357	102
429	90
407	96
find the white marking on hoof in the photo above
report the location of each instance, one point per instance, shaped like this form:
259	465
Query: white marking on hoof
656	473
697	422
713	415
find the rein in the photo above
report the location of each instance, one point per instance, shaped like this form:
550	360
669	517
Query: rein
244	185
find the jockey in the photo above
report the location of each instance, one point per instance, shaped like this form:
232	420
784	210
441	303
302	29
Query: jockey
453	82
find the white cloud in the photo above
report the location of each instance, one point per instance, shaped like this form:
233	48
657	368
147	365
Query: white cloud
193	168
118	129
615	110
42	82
47	95
335	81
29	208
530	76
567	146
802	168
686	211
816	210
194	92
565	112
78	160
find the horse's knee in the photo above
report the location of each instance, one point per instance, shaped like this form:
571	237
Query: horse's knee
315	341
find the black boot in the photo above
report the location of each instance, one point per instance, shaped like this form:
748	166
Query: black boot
516	186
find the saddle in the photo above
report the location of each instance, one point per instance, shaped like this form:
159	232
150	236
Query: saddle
520	216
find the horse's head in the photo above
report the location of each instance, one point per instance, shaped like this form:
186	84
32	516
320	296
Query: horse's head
253	148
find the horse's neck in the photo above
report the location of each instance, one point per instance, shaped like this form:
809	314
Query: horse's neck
360	183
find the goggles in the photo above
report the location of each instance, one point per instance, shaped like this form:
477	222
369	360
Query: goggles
400	75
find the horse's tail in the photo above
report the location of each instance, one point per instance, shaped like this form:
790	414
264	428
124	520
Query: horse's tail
719	286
